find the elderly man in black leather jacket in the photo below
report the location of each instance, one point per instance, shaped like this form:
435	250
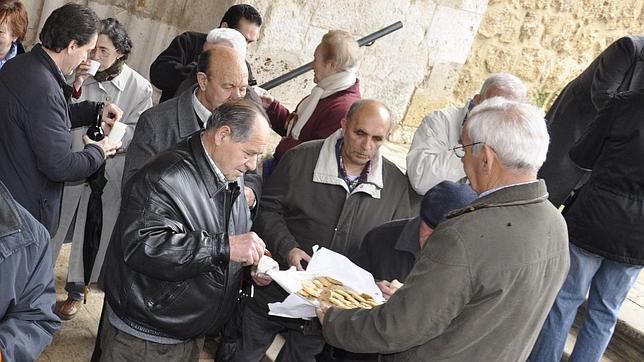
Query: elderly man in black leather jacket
182	238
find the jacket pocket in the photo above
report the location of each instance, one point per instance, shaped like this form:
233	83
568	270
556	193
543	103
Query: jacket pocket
168	293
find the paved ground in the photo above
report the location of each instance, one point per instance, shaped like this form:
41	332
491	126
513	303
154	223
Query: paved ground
75	341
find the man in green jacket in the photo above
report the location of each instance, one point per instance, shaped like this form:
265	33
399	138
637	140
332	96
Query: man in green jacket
483	285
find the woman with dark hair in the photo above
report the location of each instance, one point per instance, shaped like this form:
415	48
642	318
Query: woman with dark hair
13	28
114	82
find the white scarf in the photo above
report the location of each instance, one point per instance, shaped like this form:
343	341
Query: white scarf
326	87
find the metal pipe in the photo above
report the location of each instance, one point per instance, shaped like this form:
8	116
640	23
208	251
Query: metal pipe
365	41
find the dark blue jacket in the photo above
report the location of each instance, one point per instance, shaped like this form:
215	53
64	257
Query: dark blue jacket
27	294
35	135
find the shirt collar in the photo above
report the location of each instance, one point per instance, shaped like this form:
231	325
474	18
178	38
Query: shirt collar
218	172
484	193
13	51
202	112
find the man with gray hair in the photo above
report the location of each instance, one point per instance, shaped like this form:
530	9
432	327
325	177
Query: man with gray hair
430	159
181	241
484	283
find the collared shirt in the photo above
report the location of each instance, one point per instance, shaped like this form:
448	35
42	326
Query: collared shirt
484	193
202	112
13	51
220	175
352	181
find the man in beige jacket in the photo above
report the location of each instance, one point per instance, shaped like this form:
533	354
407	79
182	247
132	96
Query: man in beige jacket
483	285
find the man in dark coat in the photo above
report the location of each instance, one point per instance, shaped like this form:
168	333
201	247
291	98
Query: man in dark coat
27	293
35	132
222	77
327	192
618	68
606	226
177	62
389	251
181	241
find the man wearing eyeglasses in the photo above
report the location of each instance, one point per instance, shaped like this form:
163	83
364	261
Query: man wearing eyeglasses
430	160
482	287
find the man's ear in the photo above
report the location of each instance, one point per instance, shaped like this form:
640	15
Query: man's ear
72	46
488	158
222	134
343	124
477	99
223	24
202	80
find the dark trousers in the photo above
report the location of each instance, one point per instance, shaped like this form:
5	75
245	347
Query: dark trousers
118	346
259	330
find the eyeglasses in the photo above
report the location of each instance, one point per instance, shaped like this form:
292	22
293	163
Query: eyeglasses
459	151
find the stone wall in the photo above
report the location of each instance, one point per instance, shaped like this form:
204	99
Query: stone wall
430	48
546	43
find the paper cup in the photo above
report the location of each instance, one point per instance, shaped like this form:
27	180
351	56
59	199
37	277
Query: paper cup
93	67
117	132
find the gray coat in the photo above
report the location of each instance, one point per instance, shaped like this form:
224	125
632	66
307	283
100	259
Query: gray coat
160	128
480	290
27	293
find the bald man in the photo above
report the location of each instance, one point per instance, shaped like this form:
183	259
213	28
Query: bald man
222	76
328	192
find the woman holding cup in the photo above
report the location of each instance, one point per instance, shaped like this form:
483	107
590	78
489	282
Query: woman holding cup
103	78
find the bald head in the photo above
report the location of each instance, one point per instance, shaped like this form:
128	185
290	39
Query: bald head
222	76
365	129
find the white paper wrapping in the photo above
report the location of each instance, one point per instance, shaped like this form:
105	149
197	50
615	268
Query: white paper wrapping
323	263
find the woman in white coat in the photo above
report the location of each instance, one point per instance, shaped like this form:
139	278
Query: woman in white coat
114	82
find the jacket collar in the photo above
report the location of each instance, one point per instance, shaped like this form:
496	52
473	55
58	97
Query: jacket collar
9	218
408	239
326	169
188	123
522	194
46	60
206	172
118	82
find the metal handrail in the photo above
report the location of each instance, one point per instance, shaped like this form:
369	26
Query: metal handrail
365	41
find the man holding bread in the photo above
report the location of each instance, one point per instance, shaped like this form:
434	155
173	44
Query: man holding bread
484	283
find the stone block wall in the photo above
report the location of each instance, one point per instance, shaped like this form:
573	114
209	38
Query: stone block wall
426	55
546	43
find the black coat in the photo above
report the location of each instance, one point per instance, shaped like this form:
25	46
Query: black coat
619	67
607	218
35	135
167	269
177	63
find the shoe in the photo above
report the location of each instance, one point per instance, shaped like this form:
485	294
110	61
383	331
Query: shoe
68	309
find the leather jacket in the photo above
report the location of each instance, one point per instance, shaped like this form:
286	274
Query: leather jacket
168	271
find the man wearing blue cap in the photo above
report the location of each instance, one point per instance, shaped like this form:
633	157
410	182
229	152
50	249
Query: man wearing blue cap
389	250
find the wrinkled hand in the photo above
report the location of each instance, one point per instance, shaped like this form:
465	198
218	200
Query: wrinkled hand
321	313
295	257
387	288
246	249
261	279
267	99
108	149
250	196
111	114
82	72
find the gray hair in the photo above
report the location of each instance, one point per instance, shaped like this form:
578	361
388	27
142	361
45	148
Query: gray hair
504	85
340	47
230	37
515	130
239	115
